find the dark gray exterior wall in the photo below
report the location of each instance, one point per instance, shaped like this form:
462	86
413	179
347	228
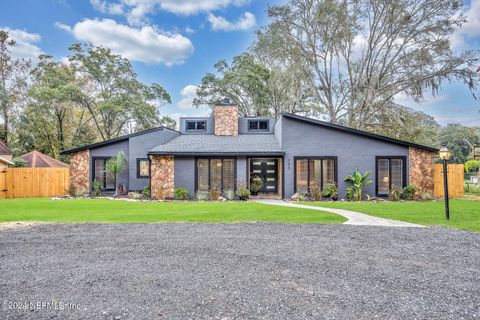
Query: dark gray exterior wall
210	125
243	125
184	173
138	148
353	151
111	150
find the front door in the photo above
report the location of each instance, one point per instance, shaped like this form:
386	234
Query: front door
267	170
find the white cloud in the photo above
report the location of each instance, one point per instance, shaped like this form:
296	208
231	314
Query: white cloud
245	22
470	29
188	93
137	11
146	44
404	100
25	44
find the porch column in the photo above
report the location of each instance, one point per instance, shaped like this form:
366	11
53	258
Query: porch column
421	169
80	171
162	177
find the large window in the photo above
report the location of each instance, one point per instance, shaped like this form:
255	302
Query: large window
314	172
215	173
143	168
100	174
258	125
196	125
390	172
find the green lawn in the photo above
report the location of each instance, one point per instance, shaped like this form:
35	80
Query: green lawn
464	214
102	210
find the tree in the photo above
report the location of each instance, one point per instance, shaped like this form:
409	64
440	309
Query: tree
115	166
363	53
112	94
13	83
459	140
244	82
52	121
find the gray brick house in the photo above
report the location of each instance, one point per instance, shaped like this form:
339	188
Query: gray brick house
289	154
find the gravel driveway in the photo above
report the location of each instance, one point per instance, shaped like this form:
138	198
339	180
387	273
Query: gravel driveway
238	271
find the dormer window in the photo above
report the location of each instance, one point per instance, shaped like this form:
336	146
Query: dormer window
196	125
258	125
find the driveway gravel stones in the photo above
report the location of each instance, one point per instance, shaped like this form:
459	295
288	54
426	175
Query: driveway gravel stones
239	271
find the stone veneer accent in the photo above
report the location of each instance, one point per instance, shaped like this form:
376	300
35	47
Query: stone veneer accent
80	170
226	120
421	169
162	177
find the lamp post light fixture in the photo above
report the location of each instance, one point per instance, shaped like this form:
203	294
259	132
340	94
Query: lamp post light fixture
444	154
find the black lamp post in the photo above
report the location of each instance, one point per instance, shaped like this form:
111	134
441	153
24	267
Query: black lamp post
445	155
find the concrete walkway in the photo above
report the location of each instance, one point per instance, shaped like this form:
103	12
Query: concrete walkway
355	218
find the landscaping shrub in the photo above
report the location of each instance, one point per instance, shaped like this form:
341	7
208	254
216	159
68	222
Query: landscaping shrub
135	195
146	191
330	190
97	186
409	192
181	194
426	196
302	197
201	196
214	194
315	193
394	194
359	182
72	190
256	185
242	192
229	195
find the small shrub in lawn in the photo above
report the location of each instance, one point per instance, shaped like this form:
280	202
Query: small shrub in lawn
135	195
202	196
229	195
394	194
214	194
72	190
409	192
146	191
242	192
315	193
97	187
426	196
330	190
181	193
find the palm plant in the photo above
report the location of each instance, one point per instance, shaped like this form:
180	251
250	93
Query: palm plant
115	166
359	182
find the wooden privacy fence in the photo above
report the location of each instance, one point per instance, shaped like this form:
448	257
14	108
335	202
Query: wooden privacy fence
33	182
455	174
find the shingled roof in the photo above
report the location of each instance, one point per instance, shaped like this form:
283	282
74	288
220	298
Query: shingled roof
37	159
4	149
246	144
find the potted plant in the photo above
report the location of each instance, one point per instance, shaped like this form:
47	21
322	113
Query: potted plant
330	190
256	185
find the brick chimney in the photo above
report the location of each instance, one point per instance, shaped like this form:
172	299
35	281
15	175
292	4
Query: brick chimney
226	119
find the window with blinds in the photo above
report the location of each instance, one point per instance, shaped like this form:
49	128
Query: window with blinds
215	174
314	172
390	174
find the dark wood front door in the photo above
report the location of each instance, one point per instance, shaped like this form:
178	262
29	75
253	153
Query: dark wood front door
267	170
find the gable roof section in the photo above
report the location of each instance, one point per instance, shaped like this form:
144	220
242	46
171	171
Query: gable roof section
243	144
4	149
358	132
37	159
6	161
112	141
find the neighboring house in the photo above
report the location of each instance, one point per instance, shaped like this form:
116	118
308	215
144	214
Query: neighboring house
289	154
36	159
6	155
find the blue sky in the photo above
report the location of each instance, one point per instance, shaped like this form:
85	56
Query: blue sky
175	42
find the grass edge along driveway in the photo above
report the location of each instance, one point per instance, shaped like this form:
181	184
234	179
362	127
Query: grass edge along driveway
464	214
116	211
